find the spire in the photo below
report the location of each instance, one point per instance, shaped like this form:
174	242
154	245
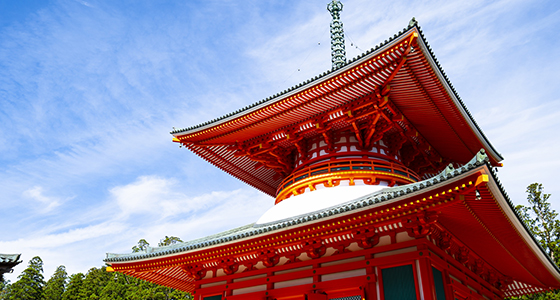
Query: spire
338	51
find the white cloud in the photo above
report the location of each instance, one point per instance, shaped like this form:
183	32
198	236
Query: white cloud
48	203
56	248
55	240
151	207
163	197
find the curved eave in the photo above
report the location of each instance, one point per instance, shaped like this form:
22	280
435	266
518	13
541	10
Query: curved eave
490	227
493	230
521	228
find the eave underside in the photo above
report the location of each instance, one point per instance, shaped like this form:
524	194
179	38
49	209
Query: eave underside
483	227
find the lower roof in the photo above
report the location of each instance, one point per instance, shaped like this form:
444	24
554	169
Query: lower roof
490	227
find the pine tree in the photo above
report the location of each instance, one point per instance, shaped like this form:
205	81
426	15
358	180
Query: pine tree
30	282
142	246
169	240
94	282
118	288
74	288
542	221
56	284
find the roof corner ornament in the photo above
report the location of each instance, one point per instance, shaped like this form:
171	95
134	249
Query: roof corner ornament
338	51
412	22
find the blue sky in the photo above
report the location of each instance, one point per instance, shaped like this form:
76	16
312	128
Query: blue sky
89	91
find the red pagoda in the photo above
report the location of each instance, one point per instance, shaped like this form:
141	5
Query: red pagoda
384	189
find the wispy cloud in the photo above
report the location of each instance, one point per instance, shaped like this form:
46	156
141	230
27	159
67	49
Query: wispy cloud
165	198
48	203
84	3
57	240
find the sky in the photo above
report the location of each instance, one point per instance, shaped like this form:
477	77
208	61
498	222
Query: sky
89	91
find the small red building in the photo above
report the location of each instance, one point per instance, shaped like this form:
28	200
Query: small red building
384	189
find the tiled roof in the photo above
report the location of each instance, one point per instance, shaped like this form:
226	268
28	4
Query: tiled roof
10	258
356	60
7	262
253	229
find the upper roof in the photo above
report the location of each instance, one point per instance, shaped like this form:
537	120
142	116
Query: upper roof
419	89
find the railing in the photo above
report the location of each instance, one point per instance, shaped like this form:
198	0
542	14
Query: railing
354	164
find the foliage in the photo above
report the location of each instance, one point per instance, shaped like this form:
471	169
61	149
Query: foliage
169	240
30	282
56	284
142	246
5	288
102	285
116	287
96	284
74	288
542	221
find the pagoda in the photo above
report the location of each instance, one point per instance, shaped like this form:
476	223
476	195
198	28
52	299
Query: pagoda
384	188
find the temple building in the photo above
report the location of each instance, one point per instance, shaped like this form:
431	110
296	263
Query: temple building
7	263
384	188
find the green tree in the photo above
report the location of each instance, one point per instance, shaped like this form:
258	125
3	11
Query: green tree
30	282
5	288
543	223
169	240
56	284
118	288
542	220
142	246
74	288
94	282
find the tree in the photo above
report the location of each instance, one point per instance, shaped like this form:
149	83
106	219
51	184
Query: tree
542	221
74	288
30	282
118	288
94	282
5	288
142	246
169	240
56	284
